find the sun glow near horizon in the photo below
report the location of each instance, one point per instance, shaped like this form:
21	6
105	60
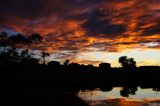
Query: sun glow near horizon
142	57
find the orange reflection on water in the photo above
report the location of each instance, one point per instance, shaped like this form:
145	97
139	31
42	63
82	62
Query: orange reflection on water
125	102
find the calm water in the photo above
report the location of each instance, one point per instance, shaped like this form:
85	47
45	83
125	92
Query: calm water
122	97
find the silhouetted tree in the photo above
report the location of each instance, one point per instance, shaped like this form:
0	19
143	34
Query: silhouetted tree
4	56
11	45
13	54
156	90
4	40
66	62
89	67
33	61
25	56
53	65
44	55
106	88
104	66
127	62
18	39
125	92
33	40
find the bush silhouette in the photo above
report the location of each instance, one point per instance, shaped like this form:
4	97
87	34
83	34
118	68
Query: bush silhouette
127	63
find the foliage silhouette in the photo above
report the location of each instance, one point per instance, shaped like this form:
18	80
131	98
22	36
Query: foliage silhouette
127	63
4	39
44	55
18	39
35	38
11	45
126	91
66	63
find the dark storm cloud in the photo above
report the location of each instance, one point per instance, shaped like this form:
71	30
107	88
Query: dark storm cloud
148	24
98	23
151	30
39	8
23	8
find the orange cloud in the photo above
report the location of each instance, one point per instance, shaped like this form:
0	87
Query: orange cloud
80	25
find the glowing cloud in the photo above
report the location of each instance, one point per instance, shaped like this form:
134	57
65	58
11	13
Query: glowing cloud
78	26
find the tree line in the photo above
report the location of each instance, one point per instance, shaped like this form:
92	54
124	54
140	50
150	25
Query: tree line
20	48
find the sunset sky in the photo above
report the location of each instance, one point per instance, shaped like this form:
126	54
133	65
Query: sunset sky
88	31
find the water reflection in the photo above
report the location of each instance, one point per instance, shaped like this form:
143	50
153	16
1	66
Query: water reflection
125	102
122	96
127	91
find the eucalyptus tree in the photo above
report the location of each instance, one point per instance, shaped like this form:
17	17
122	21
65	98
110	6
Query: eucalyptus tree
44	55
13	44
127	62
